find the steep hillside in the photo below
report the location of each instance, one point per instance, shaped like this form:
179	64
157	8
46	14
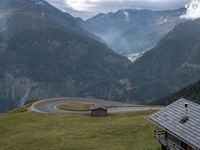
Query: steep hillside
173	64
191	92
132	31
45	53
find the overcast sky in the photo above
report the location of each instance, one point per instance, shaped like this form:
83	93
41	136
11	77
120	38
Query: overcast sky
89	8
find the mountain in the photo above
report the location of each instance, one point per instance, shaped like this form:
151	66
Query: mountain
173	64
191	92
45	53
131	31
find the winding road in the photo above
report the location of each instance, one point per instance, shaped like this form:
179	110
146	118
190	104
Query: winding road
50	105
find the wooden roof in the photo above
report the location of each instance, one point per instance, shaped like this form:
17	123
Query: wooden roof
169	117
96	107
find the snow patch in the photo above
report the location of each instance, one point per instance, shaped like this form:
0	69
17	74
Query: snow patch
102	16
133	57
126	16
163	20
190	65
41	3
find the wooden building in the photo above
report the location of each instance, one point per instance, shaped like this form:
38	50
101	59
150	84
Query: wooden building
98	111
178	126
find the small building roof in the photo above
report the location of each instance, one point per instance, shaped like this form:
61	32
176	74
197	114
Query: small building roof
169	119
95	107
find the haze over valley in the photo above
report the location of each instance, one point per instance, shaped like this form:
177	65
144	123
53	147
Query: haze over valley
127	55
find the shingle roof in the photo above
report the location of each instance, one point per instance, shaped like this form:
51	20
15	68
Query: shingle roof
94	107
169	117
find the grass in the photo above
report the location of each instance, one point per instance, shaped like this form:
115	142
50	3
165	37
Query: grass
22	131
75	107
82	106
25	107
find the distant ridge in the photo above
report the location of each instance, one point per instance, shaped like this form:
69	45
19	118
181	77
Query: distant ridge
130	31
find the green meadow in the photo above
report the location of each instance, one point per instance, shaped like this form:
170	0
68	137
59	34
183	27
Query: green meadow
35	131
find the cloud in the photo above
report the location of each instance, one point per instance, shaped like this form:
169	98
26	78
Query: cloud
81	5
88	8
193	10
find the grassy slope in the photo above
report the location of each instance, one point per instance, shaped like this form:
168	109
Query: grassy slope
22	131
75	107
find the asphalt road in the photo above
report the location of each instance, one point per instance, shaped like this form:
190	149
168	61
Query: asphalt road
49	105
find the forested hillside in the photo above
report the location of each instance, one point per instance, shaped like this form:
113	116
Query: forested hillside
191	92
172	65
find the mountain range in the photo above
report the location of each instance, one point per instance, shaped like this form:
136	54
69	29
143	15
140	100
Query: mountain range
130	31
46	53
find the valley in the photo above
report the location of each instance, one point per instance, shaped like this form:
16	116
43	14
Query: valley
130	31
101	83
47	53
